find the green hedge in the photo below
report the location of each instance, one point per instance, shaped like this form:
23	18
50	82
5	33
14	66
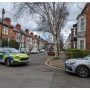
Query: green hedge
77	53
12	43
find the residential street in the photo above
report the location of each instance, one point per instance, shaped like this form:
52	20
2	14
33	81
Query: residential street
38	75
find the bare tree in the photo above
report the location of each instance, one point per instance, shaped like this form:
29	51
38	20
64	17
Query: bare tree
52	17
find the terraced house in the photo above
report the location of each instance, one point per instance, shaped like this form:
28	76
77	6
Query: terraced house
28	40
67	44
74	36
7	30
25	38
80	33
83	28
19	35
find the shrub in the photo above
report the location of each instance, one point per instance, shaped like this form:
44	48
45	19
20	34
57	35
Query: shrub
11	43
4	42
77	53
14	44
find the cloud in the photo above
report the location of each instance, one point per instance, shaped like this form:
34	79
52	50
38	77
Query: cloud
74	9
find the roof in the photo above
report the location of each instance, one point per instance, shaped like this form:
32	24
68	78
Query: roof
75	25
5	24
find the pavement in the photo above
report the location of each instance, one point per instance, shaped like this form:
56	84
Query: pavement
58	64
38	75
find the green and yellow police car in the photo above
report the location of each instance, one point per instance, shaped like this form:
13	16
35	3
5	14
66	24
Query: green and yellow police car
11	56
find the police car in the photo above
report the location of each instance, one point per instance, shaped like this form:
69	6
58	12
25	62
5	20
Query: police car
11	56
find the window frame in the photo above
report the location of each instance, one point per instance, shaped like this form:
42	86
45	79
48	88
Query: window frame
82	47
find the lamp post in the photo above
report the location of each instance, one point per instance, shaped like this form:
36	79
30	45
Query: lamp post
3	12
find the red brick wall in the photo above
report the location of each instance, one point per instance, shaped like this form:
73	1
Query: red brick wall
11	33
87	12
18	26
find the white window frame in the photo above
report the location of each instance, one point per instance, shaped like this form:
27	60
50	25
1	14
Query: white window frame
78	43
82	44
79	24
82	28
6	30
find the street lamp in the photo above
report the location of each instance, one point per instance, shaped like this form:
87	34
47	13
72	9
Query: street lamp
3	12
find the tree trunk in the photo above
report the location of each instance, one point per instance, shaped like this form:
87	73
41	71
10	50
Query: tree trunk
56	46
58	40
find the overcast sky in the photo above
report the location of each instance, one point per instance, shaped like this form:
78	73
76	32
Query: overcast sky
74	8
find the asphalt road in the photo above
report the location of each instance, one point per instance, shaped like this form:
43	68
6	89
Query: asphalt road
39	75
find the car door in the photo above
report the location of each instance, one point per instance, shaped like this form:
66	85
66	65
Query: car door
1	54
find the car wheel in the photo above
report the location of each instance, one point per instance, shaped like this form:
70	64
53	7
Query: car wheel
82	71
8	63
26	63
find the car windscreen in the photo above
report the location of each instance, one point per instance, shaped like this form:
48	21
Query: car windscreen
12	50
86	58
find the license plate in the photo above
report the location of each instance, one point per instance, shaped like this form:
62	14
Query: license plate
25	61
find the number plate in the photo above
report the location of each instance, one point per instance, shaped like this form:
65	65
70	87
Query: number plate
25	61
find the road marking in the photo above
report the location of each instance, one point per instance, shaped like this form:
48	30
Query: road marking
52	66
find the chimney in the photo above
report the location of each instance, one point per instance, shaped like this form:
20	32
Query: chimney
18	26
26	30
7	20
35	36
38	36
31	33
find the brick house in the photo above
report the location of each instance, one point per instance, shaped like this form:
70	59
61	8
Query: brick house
7	31
67	44
25	38
35	42
74	36
19	35
83	28
31	40
28	40
42	43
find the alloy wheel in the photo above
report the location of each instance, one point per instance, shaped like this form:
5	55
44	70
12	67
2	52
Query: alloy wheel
8	63
82	71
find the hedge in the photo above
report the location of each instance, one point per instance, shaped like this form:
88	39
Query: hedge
12	43
77	53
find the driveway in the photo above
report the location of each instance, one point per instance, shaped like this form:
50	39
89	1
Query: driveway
38	75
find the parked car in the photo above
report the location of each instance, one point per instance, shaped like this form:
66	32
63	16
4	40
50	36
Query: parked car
79	66
11	56
34	51
23	50
42	50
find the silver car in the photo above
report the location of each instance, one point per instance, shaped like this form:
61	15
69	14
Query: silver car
79	66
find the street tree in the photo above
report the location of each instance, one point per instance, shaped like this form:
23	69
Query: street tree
52	17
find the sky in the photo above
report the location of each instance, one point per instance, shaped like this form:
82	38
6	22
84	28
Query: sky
74	10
